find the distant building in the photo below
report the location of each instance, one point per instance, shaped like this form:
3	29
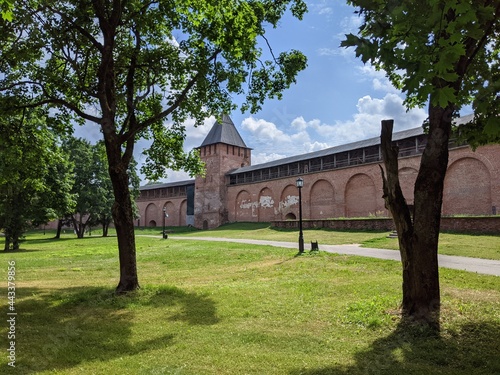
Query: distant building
342	181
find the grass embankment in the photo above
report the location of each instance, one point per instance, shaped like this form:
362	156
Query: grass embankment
477	246
225	308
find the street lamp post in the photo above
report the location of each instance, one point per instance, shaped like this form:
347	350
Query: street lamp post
164	217
300	184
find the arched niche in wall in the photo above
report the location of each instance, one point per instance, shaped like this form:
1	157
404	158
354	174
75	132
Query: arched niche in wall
360	197
244	206
183	213
151	215
289	201
171	218
467	188
407	178
322	200
266	205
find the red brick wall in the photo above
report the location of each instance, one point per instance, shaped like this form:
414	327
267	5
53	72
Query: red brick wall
210	201
471	187
151	212
489	224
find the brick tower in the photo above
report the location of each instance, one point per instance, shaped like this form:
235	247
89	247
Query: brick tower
223	150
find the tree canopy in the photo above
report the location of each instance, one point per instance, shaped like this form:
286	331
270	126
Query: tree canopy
446	50
35	175
92	186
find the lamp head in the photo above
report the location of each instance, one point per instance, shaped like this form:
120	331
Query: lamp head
300	182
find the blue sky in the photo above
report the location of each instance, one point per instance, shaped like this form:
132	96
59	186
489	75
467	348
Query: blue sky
336	100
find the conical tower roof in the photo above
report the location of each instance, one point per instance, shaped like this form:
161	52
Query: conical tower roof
224	133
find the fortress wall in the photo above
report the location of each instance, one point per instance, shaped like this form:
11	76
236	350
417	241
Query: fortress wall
151	212
472	187
476	225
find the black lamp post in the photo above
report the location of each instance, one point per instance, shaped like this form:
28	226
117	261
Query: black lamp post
300	184
164	217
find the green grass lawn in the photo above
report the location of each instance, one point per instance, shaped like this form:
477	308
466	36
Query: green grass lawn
478	246
225	308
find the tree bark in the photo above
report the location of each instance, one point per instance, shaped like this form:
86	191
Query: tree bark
122	215
7	243
105	227
78	225
418	239
124	225
59	229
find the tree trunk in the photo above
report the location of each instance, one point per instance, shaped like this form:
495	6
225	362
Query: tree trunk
418	240
78	226
7	243
59	229
123	218
105	227
15	243
118	158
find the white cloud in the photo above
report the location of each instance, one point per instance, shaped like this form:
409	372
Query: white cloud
196	135
322	8
264	130
350	24
380	82
262	157
366	122
325	10
315	146
328	51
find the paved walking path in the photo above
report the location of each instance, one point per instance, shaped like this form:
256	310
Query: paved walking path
484	266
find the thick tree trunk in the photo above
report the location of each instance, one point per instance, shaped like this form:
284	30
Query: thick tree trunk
418	240
118	159
124	225
123	218
7	243
15	243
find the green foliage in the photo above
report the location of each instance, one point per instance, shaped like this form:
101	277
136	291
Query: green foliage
445	50
92	187
6	9
169	61
35	174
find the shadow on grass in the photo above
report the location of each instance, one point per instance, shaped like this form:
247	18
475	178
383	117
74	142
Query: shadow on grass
64	328
241	226
63	239
473	348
